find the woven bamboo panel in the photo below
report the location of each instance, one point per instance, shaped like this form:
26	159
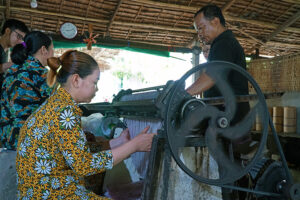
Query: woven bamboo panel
278	74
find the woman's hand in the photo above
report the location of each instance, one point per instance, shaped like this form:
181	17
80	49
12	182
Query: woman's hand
143	141
122	139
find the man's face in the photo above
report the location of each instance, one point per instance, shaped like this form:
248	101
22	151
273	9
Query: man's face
16	37
205	28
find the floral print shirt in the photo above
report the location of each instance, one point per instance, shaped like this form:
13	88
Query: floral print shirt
52	154
24	89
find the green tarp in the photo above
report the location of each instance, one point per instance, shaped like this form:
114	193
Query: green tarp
71	45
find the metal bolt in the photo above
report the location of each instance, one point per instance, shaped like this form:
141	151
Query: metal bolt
223	122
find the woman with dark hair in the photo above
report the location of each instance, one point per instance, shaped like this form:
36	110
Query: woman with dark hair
52	154
24	88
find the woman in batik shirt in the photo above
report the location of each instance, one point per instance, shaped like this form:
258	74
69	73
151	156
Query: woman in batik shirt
52	155
25	87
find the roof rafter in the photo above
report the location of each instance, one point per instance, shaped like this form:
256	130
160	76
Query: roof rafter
228	5
257	41
113	17
86	14
287	23
7	9
58	20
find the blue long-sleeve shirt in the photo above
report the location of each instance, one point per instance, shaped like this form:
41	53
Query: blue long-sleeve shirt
24	89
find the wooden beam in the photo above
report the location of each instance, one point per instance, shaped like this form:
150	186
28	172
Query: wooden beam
249	5
113	17
292	1
259	23
246	34
227	5
58	21
88	19
287	23
86	13
195	9
3	19
273	34
279	44
31	21
283	13
272	43
164	5
29	10
139	12
7	10
159	27
229	18
253	38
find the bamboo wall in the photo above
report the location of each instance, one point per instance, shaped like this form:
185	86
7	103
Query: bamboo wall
278	74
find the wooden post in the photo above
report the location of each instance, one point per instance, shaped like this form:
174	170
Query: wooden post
89	44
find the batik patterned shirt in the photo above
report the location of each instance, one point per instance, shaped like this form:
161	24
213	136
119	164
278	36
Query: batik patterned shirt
52	154
24	90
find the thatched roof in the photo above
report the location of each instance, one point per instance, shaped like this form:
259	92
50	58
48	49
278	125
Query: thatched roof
271	26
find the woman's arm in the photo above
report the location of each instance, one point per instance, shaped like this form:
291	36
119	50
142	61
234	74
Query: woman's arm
142	142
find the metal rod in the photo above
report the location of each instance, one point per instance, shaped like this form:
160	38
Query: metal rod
149	88
252	191
239	98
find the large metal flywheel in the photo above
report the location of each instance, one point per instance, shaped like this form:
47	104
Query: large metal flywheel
193	123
